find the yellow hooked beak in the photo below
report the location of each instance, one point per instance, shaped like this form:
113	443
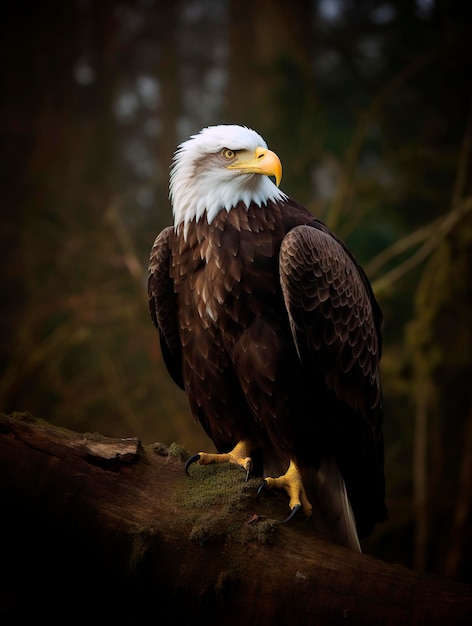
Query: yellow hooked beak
261	161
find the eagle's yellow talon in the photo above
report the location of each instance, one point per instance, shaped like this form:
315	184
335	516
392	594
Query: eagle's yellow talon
292	483
239	455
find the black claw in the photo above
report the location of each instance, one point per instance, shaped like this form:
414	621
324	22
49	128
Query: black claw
248	469
293	512
262	486
192	459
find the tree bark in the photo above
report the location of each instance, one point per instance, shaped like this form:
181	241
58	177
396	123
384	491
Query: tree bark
108	529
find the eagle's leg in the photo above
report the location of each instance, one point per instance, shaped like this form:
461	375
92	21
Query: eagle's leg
239	455
292	482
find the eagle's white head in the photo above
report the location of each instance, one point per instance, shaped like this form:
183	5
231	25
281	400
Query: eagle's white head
219	167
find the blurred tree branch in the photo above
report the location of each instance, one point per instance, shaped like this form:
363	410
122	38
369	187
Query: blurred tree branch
126	244
431	235
30	355
367	117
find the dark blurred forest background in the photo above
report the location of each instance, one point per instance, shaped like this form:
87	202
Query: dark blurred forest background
367	103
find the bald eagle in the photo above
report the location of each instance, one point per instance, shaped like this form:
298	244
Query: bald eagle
270	325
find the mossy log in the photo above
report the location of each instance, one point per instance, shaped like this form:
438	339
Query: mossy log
105	530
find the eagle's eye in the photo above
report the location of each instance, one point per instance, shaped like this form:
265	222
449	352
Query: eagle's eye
228	154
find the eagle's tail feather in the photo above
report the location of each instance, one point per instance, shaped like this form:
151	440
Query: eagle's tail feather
333	504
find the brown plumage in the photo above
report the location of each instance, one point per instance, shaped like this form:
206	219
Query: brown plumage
270	326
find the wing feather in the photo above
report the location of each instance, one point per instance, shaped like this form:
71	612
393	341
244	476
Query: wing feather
163	306
332	313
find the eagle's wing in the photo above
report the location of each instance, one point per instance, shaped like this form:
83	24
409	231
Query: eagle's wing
162	304
335	323
331	313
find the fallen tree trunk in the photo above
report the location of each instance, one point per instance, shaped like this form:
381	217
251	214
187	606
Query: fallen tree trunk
106	529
